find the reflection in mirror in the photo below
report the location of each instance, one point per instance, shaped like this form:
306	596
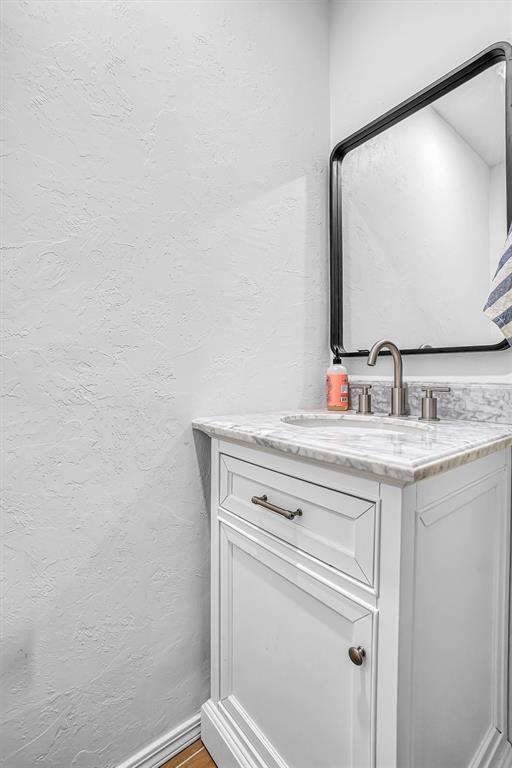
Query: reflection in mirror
424	222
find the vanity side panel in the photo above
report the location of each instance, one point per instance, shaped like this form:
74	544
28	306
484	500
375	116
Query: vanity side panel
397	508
456	693
214	575
406	626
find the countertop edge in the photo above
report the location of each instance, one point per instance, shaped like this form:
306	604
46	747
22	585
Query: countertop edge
384	469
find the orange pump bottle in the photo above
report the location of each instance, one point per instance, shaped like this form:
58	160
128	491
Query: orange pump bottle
337	386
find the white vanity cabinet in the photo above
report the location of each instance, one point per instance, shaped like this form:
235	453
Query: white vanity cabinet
413	579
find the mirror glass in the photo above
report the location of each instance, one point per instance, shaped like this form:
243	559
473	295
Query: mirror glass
424	222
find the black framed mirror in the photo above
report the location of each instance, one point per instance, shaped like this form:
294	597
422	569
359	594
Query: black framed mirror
420	205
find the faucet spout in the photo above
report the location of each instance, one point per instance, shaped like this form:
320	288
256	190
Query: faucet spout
398	392
395	354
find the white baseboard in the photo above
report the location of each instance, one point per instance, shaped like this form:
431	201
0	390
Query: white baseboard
167	746
494	751
227	747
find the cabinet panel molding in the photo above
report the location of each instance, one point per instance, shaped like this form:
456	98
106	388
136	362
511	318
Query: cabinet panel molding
452	503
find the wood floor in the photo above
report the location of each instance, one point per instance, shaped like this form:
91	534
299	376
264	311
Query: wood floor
194	756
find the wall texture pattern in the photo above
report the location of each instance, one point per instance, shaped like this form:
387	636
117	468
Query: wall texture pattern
164	257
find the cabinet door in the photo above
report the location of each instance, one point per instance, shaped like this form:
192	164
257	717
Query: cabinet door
286	679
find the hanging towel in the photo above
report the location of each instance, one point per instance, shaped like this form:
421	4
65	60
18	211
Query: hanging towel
499	303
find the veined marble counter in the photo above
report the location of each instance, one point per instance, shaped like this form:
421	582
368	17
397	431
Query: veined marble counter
426	449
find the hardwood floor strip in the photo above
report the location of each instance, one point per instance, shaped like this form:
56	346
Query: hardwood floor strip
203	760
185	757
194	758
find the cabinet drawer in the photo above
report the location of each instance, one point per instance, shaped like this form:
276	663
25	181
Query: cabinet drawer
335	527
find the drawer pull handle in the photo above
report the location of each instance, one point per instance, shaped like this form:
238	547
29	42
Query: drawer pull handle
357	655
262	502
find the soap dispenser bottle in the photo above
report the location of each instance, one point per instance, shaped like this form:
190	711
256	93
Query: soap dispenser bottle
337	386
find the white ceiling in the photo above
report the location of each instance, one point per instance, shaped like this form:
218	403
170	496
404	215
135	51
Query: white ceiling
476	110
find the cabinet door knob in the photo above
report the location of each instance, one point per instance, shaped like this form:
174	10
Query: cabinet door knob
357	655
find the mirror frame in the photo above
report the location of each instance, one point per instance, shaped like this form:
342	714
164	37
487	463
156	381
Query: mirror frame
494	53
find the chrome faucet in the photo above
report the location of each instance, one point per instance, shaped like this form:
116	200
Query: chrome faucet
398	390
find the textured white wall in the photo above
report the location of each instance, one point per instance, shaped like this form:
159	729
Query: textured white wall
383	51
164	258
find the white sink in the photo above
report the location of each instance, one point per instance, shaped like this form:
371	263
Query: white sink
353	422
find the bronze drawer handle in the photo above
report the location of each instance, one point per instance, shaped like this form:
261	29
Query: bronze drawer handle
262	502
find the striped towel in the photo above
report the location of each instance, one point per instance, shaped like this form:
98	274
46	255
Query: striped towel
499	303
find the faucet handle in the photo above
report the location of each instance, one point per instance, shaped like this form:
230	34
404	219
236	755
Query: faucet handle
364	400
429	403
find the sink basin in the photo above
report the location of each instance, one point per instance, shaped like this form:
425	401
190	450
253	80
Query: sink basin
353	422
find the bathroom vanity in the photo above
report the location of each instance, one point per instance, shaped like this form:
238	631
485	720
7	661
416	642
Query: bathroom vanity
360	565
360	592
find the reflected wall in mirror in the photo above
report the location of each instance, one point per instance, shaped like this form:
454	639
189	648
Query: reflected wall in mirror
422	209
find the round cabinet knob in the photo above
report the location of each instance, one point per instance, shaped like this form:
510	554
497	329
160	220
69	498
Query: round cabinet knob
357	655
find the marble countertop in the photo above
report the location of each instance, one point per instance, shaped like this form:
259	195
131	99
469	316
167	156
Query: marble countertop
423	450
